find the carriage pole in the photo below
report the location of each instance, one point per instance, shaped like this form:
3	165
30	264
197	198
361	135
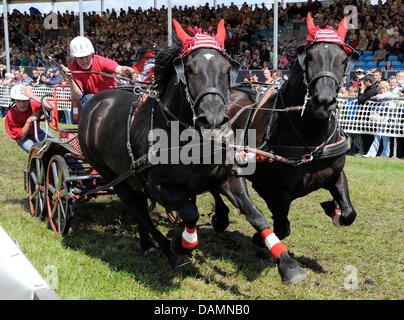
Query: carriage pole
6	42
170	24
81	18
275	38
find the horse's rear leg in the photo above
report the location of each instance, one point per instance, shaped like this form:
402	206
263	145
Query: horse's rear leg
138	203
220	220
340	209
236	191
174	199
279	207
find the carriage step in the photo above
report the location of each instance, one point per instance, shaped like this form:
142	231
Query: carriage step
86	177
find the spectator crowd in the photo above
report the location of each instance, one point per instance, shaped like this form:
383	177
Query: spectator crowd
366	86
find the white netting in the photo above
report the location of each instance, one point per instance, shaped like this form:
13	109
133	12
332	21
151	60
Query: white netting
5	96
62	93
374	117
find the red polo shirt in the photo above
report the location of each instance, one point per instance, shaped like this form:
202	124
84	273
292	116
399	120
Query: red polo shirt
15	120
94	83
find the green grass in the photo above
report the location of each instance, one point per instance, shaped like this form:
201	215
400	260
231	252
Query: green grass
101	258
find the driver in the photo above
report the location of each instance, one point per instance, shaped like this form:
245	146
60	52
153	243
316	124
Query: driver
84	86
20	118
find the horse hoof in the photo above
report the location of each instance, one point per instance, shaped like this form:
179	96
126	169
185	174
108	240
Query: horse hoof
151	251
282	229
328	207
289	270
220	223
282	234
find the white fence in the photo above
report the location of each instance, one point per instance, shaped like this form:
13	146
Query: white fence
40	91
384	118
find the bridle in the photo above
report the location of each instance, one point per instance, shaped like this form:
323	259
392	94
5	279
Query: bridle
194	102
301	58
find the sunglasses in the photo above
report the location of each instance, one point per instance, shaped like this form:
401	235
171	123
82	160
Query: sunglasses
359	72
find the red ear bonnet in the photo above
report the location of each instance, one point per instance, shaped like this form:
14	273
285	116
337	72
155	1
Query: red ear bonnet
221	32
310	24
200	40
181	34
342	29
316	34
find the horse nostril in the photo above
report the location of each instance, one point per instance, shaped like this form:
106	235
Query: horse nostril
224	121
203	122
325	100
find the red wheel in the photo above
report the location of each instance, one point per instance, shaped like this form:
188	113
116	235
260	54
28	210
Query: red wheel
57	195
36	187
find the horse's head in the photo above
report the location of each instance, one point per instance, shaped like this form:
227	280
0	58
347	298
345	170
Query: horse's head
325	59
206	73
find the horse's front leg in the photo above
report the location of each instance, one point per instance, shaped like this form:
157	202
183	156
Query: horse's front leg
235	189
175	199
340	209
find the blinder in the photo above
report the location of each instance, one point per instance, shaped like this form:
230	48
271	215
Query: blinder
301	56
235	66
180	70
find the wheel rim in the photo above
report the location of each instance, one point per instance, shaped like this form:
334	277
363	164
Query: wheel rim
57	196
36	187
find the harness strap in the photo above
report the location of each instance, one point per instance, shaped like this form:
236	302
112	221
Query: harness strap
268	94
119	179
329	150
322	74
209	91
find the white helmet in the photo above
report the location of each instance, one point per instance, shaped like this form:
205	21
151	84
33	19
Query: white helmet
16	94
81	47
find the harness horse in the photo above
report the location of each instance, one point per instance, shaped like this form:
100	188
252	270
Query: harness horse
119	138
309	139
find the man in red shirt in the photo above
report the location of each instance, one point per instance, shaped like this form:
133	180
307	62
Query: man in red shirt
20	118
85	85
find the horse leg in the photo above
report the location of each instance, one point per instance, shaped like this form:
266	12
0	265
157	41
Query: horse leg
340	209
279	207
236	191
125	193
174	199
138	203
280	211
220	219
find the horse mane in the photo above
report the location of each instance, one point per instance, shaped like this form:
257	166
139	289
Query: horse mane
164	69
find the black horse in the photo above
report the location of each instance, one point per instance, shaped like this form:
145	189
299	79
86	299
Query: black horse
193	85
308	138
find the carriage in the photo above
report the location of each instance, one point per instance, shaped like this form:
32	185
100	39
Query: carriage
57	176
